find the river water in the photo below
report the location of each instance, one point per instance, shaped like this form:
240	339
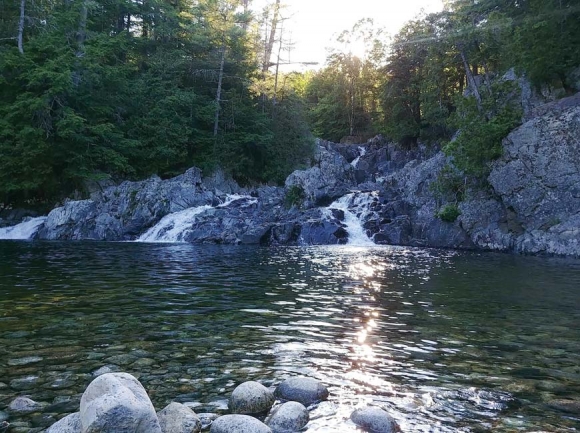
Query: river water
445	341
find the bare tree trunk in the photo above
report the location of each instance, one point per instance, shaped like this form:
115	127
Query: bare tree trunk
278	66
82	33
21	27
271	39
218	94
471	80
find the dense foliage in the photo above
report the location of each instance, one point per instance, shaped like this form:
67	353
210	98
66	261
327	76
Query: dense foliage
123	89
441	73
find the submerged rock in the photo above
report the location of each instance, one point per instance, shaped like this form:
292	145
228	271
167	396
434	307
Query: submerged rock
117	403
23	405
251	397
177	418
69	424
288	417
304	390
238	424
374	419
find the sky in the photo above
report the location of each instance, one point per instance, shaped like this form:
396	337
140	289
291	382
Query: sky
314	24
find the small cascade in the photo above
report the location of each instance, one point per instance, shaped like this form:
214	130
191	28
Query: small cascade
174	227
23	231
361	152
359	202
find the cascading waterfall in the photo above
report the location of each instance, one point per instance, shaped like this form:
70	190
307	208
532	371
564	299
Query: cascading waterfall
23	231
174	227
360	203
361	152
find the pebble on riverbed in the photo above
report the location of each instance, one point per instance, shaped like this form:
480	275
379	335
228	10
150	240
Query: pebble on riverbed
304	390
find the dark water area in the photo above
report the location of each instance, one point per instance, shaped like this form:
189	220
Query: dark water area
445	341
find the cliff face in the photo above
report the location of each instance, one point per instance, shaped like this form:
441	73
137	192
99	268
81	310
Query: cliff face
532	204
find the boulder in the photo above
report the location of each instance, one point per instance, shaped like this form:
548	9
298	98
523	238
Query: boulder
251	397
304	390
238	424
177	418
374	419
288	417
23	405
117	403
69	424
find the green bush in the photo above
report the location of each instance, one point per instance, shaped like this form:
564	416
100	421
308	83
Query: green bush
449	213
295	196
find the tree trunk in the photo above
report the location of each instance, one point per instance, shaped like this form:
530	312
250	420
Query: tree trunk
278	66
21	27
272	37
82	33
470	80
218	94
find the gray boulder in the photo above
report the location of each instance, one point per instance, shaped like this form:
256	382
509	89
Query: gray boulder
69	424
374	419
23	405
288	417
251	397
117	403
330	177
304	390
238	424
177	418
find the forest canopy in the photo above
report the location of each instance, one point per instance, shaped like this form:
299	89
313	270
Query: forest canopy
122	89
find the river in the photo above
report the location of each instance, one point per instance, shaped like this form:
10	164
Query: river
446	341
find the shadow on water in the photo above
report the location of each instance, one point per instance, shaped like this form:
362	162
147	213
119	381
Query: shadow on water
445	341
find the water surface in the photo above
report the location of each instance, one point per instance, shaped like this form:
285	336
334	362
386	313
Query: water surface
445	341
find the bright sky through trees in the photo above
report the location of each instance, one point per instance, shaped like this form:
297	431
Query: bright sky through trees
314	24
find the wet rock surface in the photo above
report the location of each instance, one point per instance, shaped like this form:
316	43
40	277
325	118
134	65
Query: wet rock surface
374	420
69	424
304	390
177	418
238	424
288	417
251	398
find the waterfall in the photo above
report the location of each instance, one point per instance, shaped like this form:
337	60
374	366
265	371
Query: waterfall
174	227
361	152
357	202
23	231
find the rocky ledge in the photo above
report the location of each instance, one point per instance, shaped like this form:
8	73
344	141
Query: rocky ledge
376	192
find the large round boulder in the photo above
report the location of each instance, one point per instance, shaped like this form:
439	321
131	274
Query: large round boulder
238	424
374	419
117	403
288	417
251	397
304	390
69	424
177	418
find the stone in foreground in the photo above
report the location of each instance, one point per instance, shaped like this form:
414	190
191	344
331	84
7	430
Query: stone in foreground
288	417
238	424
374	419
177	418
117	403
251	397
69	424
304	390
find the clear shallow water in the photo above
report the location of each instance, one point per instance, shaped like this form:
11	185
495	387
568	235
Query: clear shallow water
445	341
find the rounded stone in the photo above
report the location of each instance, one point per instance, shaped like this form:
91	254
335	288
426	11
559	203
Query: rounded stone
22	405
238	424
374	419
288	417
117	403
177	418
304	390
251	397
69	424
